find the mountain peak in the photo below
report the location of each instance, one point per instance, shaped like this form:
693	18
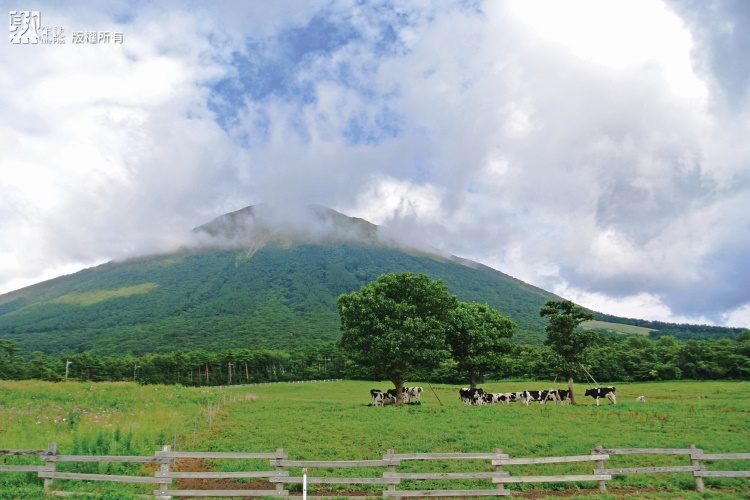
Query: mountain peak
258	224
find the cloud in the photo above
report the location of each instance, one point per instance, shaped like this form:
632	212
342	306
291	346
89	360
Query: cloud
592	147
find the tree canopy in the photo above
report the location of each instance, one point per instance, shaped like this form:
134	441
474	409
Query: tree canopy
478	339
396	324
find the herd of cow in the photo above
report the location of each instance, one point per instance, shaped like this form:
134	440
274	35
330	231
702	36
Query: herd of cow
477	396
408	394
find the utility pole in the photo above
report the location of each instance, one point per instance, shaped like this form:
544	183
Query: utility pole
135	370
67	368
326	359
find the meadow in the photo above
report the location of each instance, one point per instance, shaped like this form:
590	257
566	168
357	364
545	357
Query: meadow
333	420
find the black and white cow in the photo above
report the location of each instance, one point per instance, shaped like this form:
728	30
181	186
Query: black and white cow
547	395
602	392
377	397
471	396
414	393
529	396
516	396
405	396
563	395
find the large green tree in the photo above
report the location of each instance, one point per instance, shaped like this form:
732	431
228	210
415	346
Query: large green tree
565	337
478	339
396	324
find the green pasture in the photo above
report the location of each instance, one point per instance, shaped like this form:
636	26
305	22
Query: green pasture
616	327
333	420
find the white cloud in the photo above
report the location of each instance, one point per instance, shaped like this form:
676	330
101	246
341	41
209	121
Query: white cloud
572	144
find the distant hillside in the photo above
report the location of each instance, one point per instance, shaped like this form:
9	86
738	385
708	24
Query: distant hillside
259	279
280	297
679	330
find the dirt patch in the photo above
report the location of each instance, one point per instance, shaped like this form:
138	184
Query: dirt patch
617	492
199	465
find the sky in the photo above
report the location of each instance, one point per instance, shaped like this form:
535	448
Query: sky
598	149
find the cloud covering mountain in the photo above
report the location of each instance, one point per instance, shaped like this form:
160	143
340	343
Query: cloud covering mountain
595	149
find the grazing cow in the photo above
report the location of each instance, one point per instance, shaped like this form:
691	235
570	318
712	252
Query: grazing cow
516	396
602	392
529	396
471	396
501	397
494	398
508	397
563	395
641	399
548	395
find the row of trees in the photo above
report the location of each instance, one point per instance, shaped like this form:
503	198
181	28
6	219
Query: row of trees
233	366
611	357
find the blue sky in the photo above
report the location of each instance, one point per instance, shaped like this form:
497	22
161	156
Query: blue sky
594	148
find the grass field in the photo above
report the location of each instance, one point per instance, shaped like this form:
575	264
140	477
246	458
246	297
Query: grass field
616	327
332	420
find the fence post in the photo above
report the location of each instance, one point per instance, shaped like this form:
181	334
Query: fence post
164	469
599	449
695	462
391	468
498	468
279	456
51	451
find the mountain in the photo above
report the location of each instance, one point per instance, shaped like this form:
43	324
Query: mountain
255	278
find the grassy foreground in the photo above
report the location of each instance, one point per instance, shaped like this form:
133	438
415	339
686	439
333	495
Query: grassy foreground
106	418
332	420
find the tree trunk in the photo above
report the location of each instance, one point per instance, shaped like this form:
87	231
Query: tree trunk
472	382
399	391
570	388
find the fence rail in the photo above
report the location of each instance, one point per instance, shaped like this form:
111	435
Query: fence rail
277	477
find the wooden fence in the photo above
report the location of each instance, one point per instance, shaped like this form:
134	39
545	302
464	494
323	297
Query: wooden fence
278	474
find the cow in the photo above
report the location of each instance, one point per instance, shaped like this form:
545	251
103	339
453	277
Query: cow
391	393
548	395
529	396
377	397
641	399
602	392
471	396
414	393
497	397
502	397
563	395
516	396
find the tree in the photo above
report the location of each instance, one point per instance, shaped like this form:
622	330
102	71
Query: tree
567	341
478	339
396	324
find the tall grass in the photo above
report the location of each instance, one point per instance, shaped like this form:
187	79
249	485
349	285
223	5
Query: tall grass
112	418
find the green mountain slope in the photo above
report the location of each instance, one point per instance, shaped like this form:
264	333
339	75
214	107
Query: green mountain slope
255	278
278	296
